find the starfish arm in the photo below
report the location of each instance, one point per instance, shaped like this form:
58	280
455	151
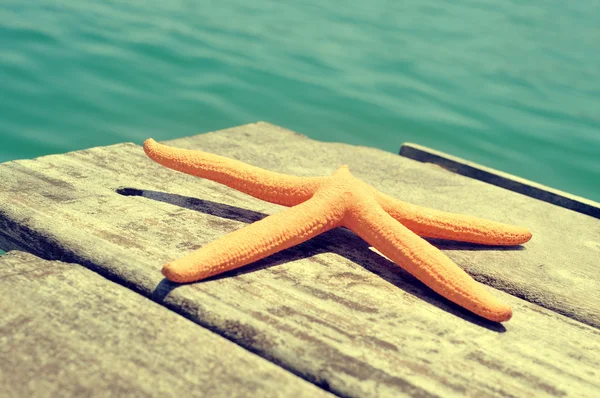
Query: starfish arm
424	261
256	241
263	184
430	223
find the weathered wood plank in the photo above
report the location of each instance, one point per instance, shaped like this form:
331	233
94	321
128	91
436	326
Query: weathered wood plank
331	310
66	331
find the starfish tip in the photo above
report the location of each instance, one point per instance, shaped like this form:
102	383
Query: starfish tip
502	313
506	315
171	273
523	235
149	143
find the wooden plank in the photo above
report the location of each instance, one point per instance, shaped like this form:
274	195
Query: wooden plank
501	179
331	310
66	331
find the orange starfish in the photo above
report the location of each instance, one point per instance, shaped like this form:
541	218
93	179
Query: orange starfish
319	204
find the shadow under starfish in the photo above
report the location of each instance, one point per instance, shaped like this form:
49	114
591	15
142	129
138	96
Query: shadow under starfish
319	204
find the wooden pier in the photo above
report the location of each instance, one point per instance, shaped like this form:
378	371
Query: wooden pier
87	312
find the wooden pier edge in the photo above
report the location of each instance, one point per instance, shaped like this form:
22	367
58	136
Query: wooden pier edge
500	179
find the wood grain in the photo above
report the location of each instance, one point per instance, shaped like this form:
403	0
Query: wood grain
66	331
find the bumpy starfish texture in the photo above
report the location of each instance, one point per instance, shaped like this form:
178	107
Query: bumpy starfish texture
318	204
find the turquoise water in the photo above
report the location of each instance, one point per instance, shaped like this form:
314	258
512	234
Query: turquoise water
510	85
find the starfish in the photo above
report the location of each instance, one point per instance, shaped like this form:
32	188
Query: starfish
319	204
